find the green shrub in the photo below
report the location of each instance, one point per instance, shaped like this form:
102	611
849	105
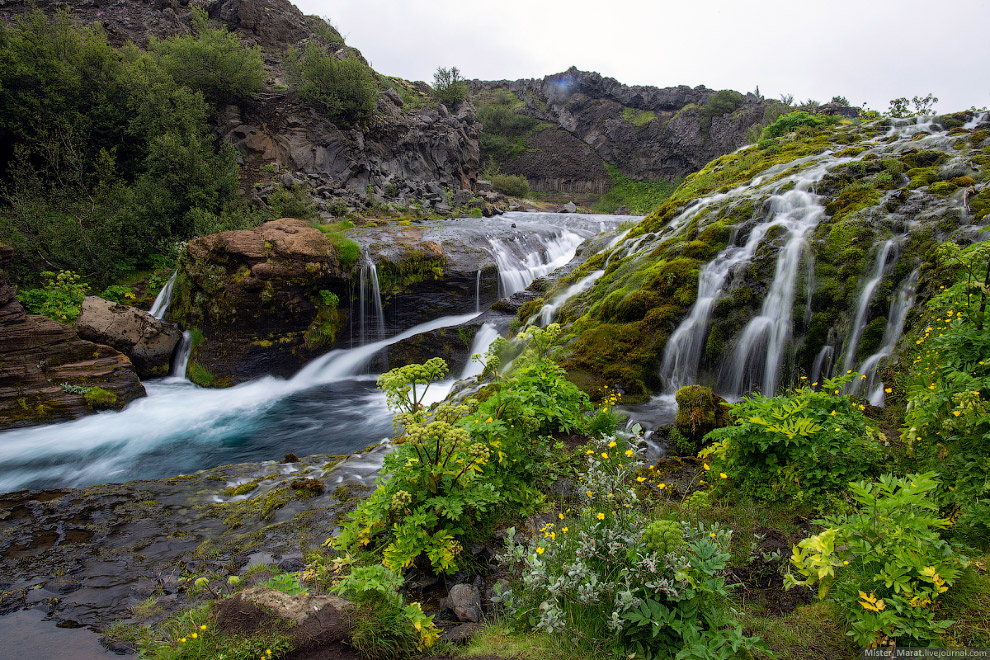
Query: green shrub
948	390
343	89
287	583
60	299
885	560
793	120
119	294
511	184
804	446
619	585
721	103
291	203
214	62
448	86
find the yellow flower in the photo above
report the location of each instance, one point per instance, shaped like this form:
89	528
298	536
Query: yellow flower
931	387
183	640
888	390
489	420
629	453
202	627
712	534
563	530
956	413
611	444
662	486
590	452
589	493
640	479
722	474
540	551
560	515
706	466
193	635
604	455
845	563
601	516
832	413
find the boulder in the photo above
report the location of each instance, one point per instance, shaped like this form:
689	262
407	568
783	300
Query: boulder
47	371
464	600
569	207
622	210
147	341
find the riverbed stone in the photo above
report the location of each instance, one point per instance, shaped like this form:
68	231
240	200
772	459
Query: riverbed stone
464	600
147	341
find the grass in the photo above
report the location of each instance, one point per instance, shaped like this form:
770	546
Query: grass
499	639
638	118
810	632
640	197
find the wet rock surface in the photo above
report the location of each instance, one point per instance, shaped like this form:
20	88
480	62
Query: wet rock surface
90	556
45	368
148	342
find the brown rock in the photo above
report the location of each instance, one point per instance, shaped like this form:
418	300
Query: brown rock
319	620
38	356
147	341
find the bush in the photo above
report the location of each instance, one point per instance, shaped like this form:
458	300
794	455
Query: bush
804	446
448	86
794	120
213	62
615	582
343	89
886	560
60	299
511	185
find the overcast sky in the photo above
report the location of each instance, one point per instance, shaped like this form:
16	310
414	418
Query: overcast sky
866	50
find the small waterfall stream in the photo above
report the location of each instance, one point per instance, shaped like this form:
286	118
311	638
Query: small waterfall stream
159	308
547	312
370	311
863	304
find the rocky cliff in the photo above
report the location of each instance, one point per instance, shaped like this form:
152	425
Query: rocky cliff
47	373
649	133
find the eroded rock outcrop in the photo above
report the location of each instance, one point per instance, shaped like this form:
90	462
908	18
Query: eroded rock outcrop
647	132
148	342
47	371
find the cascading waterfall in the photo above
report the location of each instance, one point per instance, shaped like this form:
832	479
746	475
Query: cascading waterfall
164	298
548	310
486	334
822	367
863	304
900	305
477	292
180	359
756	359
370	310
519	263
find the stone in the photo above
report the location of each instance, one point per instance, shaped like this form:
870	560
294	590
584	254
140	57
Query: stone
465	602
622	210
147	341
461	634
40	357
569	207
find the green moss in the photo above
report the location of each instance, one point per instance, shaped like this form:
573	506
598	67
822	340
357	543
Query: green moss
243	489
200	375
100	399
943	188
699	411
259	508
638	118
853	198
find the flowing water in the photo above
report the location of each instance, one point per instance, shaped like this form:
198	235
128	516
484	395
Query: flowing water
159	308
330	406
547	312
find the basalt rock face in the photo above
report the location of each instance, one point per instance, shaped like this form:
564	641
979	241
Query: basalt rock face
647	132
38	356
267	300
148	342
255	297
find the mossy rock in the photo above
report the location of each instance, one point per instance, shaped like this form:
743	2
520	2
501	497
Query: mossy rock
699	411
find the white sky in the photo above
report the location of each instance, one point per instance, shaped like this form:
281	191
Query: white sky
865	50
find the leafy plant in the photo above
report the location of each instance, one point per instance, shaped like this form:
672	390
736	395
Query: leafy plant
885	560
60	299
802	446
900	108
286	583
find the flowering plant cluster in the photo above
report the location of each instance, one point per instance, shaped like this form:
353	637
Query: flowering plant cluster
629	583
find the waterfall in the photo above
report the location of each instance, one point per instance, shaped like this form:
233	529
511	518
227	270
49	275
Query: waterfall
756	360
682	352
181	358
822	367
863	304
160	307
549	309
369	303
521	261
477	292
900	305
486	334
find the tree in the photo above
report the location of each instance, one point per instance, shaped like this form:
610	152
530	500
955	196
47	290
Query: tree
343	89
448	86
